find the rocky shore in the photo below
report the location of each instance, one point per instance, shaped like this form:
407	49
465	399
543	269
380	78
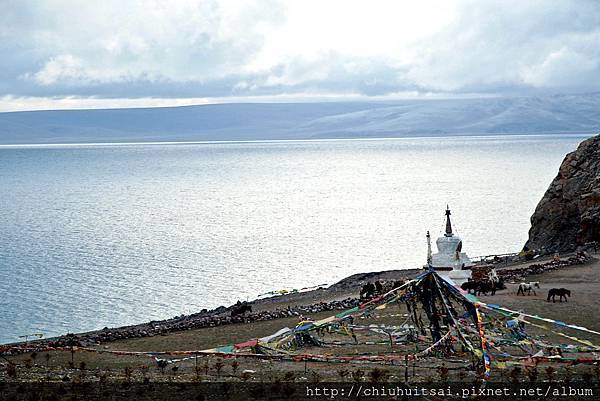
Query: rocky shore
222	316
213	318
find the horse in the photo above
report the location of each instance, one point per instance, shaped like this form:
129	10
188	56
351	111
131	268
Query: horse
368	290
479	287
240	308
528	287
470	285
561	292
485	287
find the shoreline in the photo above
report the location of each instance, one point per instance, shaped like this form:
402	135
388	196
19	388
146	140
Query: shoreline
197	355
339	296
38	145
339	292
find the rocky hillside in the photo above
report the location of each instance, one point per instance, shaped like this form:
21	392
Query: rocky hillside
569	213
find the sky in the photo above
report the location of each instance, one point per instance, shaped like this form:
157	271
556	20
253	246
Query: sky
132	53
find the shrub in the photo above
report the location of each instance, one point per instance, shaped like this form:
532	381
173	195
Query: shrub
218	366
568	374
127	372
444	373
378	375
11	370
550	373
532	374
515	373
343	373
357	375
234	366
315	377
289	376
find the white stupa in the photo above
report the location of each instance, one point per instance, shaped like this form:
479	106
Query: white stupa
450	261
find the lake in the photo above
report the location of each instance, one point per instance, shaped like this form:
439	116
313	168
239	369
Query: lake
107	235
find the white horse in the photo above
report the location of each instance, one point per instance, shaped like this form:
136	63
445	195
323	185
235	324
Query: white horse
531	286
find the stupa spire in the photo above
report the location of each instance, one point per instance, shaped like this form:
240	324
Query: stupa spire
448	223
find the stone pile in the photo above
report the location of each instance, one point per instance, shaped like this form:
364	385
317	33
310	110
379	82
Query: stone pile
514	275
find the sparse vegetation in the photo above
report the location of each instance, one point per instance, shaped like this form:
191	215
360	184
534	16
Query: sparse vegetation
378	375
127	372
357	375
550	373
234	366
218	366
11	370
515	374
532	374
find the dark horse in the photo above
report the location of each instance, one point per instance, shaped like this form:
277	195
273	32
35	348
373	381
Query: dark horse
480	287
485	287
369	290
561	292
240	308
469	286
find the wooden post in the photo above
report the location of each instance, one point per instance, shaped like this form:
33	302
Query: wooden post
406	368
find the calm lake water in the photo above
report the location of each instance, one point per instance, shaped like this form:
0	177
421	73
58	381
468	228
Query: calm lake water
107	235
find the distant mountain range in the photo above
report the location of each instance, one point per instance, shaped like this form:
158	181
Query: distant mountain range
255	121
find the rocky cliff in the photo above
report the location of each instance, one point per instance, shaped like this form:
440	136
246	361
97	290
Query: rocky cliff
569	213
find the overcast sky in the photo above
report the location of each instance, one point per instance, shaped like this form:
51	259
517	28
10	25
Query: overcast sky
113	53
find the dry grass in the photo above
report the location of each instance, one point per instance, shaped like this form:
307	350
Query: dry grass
583	281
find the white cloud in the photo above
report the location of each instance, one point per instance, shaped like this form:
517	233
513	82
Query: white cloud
116	41
495	45
353	28
561	67
235	48
67	68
